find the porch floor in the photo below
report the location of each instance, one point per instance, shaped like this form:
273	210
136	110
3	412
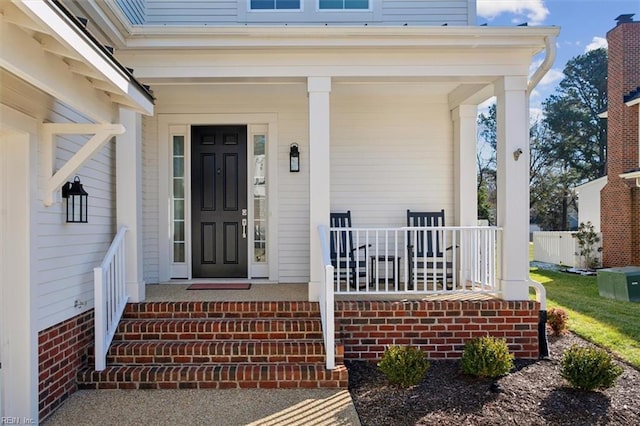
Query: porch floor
258	292
274	292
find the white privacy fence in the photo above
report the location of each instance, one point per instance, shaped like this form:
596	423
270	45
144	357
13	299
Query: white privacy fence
559	248
414	260
110	297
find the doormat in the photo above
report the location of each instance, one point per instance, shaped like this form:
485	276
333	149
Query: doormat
219	286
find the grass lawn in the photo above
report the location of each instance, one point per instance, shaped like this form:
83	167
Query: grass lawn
611	324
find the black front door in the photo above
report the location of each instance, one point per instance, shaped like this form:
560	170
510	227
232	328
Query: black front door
219	201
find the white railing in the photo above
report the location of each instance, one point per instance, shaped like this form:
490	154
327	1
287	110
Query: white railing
407	260
110	294
327	306
558	247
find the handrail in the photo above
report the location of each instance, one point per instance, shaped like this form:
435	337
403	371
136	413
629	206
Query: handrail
110	297
327	308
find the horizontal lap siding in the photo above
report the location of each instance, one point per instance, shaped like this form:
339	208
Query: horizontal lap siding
390	150
134	10
425	12
290	103
150	202
67	253
385	12
192	12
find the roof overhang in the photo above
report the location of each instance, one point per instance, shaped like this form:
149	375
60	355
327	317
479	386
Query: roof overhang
632	177
51	50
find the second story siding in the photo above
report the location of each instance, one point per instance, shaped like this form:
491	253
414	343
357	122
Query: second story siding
134	10
309	12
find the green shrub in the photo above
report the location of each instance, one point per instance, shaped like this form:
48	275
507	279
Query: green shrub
557	320
486	357
589	368
404	365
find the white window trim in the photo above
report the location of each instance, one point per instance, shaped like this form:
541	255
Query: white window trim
368	9
274	10
167	122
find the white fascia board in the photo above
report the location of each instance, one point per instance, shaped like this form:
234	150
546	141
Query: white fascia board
67	33
635	101
313	36
25	58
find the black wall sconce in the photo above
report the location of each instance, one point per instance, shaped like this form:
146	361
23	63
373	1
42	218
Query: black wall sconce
77	200
294	158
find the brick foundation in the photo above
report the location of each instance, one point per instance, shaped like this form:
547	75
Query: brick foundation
62	352
438	327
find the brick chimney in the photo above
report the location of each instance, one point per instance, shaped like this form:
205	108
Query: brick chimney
620	198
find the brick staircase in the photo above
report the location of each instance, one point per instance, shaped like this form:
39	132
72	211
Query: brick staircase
175	345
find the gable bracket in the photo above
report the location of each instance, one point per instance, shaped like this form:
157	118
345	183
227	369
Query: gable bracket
102	133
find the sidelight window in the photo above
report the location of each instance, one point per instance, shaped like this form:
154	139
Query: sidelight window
178	205
259	198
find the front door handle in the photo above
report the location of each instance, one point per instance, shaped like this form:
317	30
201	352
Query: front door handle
244	228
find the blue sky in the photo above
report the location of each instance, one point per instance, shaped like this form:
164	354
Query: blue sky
584	25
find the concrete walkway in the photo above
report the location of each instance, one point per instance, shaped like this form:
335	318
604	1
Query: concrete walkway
228	407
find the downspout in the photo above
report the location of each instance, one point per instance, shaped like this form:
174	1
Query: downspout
545	66
541	292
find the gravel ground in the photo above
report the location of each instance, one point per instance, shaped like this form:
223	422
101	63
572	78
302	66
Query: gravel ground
532	394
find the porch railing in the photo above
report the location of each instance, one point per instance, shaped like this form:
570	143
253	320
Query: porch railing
413	260
110	297
377	261
327	306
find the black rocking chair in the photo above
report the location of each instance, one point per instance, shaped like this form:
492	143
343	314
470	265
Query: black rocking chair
425	255
349	264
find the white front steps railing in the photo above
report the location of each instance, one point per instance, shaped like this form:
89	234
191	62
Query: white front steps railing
110	295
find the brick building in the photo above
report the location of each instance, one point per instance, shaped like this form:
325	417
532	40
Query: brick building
620	198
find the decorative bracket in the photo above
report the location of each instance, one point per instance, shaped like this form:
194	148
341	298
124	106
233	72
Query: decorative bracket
101	135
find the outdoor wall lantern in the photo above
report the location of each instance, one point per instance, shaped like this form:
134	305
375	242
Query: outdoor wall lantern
76	201
294	158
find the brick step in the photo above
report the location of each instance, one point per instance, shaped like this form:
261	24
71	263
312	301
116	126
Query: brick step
219	329
198	352
282	309
214	376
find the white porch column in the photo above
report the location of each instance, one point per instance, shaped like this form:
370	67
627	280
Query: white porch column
513	185
18	275
319	186
465	146
129	199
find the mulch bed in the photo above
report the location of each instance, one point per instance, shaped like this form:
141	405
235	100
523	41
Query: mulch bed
532	394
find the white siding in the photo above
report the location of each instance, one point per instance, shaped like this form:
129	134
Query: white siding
390	151
421	12
383	12
191	12
134	10
65	254
150	203
589	202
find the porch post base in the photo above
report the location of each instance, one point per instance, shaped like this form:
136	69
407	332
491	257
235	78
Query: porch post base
514	290
136	291
314	291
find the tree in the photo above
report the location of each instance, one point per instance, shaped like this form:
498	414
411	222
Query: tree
486	161
572	115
